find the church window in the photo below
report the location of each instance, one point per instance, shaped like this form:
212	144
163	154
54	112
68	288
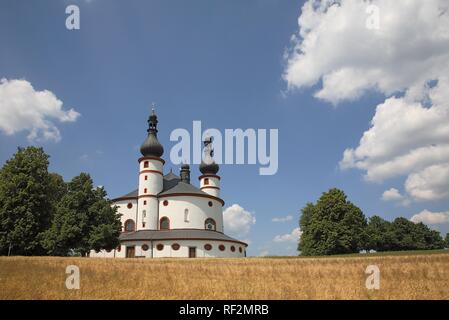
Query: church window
175	246
130	205
145	164
240	249
144	202
160	247
221	247
144	213
145	190
207	247
232	248
146	177
129	225
186	215
164	223
210	224
143	224
145	247
210	203
206	181
165	203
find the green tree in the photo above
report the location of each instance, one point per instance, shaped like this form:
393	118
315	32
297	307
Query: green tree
380	234
331	226
415	236
84	220
447	240
26	207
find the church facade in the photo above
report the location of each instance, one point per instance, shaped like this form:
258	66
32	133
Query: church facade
167	216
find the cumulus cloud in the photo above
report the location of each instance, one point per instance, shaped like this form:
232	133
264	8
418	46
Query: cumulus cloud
408	139
429	217
391	194
22	108
282	219
335	46
289	237
238	221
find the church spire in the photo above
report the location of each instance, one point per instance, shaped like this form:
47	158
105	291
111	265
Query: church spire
151	146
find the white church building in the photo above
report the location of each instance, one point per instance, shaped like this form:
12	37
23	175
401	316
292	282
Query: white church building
167	216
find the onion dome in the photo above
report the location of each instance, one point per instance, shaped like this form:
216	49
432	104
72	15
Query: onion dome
151	146
208	165
211	168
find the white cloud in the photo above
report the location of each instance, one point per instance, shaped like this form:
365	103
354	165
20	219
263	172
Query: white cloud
429	217
289	237
431	183
282	219
391	194
22	108
408	139
334	45
238	221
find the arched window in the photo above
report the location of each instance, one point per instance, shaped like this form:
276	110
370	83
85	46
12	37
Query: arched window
145	164
210	224
206	181
164	223
144	213
186	215
130	225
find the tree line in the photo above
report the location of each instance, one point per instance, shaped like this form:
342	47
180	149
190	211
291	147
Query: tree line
41	214
334	225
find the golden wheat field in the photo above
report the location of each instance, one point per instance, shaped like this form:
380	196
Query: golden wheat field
402	277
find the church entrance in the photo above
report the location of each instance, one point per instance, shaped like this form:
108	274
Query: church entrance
130	252
192	252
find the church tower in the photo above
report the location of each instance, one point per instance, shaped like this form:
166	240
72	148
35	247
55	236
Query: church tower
209	180
151	168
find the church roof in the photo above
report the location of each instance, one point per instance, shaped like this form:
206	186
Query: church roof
177	234
172	184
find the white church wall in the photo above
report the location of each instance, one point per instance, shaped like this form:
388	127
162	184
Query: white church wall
127	213
198	211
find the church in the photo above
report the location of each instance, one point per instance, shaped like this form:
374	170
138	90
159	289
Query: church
167	216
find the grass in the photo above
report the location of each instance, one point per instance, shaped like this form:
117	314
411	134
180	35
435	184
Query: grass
403	276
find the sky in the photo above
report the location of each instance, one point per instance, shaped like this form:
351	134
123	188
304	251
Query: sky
357	92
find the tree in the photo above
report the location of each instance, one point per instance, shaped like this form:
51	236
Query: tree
447	240
331	226
380	234
415	236
84	220
26	207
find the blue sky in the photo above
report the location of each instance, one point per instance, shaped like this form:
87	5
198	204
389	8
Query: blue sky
221	62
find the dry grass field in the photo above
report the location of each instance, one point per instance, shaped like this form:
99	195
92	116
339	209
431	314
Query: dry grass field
406	276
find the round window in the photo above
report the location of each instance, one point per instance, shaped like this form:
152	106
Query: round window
175	246
145	247
130	205
207	247
221	247
165	203
232	248
210	203
160	247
